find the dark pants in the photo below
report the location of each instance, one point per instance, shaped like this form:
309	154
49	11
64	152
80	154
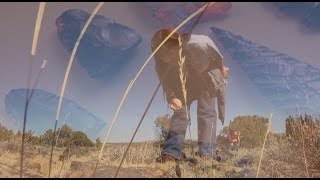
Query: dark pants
207	119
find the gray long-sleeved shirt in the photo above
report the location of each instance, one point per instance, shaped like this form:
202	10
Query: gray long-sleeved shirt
209	59
204	65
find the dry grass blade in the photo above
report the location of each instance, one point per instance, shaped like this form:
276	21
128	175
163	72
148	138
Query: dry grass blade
264	143
303	144
44	64
61	169
37	79
37	27
182	73
134	134
75	48
33	51
139	72
110	127
183	80
65	119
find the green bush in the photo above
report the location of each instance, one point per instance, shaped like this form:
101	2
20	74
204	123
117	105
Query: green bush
162	128
253	130
79	138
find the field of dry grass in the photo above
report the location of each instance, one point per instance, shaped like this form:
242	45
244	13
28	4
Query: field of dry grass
279	160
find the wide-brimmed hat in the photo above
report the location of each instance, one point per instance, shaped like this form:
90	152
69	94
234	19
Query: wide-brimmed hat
160	35
166	31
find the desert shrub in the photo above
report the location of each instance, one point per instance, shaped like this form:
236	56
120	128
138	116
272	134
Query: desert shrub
46	138
63	135
162	128
252	128
305	132
79	138
5	133
10	146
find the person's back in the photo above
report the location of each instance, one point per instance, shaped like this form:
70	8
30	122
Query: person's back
202	52
206	61
203	42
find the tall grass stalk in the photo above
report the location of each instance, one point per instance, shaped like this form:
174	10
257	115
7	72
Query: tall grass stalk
44	62
264	143
110	127
139	72
33	52
134	134
183	80
74	50
65	119
303	144
61	169
182	74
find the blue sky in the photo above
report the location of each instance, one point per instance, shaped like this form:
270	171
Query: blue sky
250	20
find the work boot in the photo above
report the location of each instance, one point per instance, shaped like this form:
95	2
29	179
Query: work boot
165	158
206	158
218	158
184	157
209	157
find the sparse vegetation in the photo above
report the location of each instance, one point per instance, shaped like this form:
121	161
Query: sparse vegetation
305	130
282	155
162	128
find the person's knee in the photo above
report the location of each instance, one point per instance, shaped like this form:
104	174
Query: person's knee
180	115
178	128
179	123
206	113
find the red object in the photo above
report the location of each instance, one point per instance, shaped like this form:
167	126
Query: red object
232	138
218	9
171	13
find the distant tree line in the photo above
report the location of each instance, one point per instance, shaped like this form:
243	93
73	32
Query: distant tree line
65	136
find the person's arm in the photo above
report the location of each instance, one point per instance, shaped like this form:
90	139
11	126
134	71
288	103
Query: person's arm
218	63
218	88
216	56
163	73
170	84
166	75
213	45
221	105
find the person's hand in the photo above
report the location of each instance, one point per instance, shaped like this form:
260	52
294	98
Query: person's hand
175	104
222	120
225	72
225	82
